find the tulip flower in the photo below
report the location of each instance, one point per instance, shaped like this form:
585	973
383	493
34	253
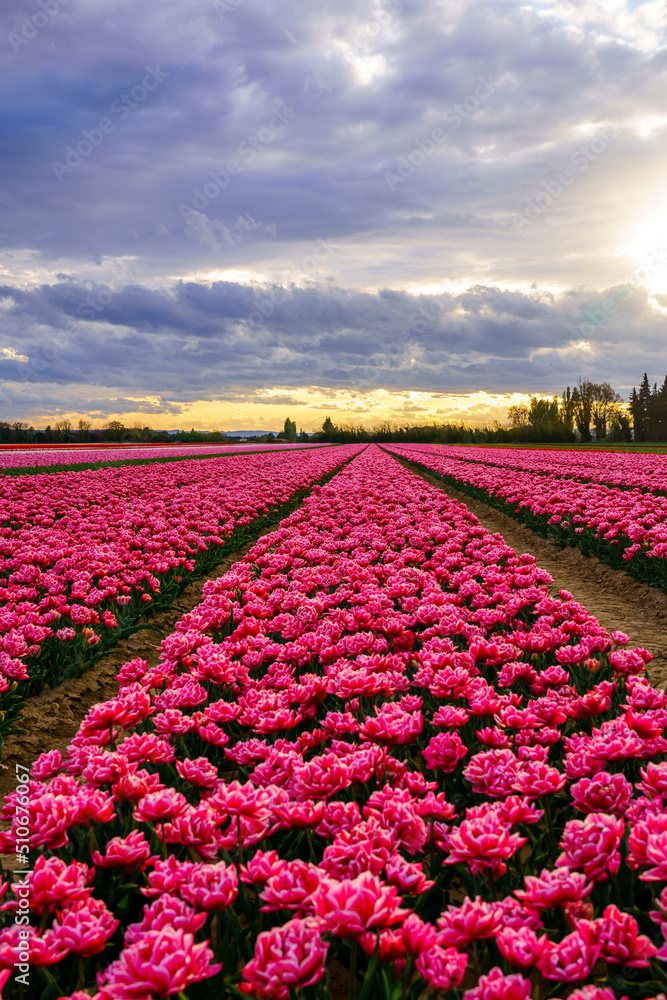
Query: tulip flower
291	956
161	962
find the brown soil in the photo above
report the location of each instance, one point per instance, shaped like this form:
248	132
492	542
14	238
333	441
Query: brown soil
52	717
615	598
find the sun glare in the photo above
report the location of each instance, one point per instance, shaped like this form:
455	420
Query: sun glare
650	252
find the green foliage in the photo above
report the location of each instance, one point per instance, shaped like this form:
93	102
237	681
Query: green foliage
649	411
439	433
288	432
17	433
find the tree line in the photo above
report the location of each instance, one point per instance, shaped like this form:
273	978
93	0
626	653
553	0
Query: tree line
63	431
648	406
588	408
585	412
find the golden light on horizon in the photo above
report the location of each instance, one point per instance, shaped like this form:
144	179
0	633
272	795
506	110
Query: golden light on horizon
268	408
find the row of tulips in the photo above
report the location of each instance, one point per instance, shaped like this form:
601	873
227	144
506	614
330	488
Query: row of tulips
379	758
627	470
47	457
626	528
84	555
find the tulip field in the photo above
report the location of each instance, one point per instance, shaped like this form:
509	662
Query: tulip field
626	470
613	506
84	554
22	460
382	759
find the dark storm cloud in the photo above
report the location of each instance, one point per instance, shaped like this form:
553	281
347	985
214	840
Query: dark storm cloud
195	340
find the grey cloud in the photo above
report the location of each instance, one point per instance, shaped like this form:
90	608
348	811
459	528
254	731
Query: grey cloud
198	340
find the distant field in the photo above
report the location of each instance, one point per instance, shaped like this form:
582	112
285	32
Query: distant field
657	446
45	458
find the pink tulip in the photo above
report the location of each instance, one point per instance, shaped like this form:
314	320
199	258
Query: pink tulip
292	888
195	826
520	947
53	883
338	817
167	877
482	843
592	992
569	961
348	908
50	817
199	772
441	968
605	792
166	913
409	879
259	869
444	751
417	935
163	962
210	887
291	956
553	888
84	926
497	986
43	950
125	853
592	845
473	920
535	779
47	765
514	914
618	936
158	806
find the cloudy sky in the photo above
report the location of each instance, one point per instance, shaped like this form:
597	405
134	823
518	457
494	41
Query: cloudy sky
223	212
